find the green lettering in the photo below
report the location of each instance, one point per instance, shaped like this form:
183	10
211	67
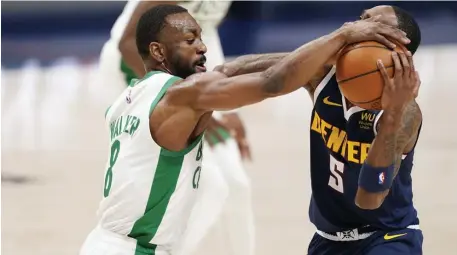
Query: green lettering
112	129
127	124
135	125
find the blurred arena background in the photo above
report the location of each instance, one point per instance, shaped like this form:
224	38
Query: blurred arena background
53	138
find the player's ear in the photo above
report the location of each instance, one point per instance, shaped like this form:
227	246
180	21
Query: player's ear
157	52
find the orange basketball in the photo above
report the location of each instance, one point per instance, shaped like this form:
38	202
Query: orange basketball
358	75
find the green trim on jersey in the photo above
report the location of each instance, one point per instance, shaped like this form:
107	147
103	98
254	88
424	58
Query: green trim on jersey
162	92
154	103
130	75
135	81
107	109
140	250
163	186
184	151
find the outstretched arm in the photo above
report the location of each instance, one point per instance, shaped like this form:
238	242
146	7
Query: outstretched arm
397	134
251	63
260	62
297	68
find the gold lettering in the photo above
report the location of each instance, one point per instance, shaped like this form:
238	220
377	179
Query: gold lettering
343	151
316	126
368	116
324	125
352	151
364	152
336	139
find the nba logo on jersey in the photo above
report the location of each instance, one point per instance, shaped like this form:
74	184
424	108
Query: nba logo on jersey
381	178
128	98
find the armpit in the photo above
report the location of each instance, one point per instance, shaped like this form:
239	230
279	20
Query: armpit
316	80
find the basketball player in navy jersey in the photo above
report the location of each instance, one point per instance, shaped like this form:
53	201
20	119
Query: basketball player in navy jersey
361	160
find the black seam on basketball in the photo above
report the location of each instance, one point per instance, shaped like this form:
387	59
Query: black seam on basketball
363	74
366	101
365	46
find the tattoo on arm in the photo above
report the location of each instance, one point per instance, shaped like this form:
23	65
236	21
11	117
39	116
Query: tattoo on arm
392	141
274	84
406	137
250	64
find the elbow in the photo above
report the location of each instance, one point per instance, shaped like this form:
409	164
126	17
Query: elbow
367	205
369	201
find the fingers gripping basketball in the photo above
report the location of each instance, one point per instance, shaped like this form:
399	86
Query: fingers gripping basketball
358	75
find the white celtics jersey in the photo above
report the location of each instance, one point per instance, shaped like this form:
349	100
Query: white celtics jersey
148	191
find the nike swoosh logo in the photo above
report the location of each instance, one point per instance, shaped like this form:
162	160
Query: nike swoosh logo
388	237
326	101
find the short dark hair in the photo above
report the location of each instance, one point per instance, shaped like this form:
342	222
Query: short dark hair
151	24
408	24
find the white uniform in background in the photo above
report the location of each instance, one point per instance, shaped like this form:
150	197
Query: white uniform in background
225	189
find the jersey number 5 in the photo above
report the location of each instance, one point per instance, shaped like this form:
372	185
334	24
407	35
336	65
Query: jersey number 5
336	175
115	148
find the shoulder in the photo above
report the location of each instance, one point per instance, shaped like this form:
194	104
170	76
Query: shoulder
185	90
411	119
196	81
317	79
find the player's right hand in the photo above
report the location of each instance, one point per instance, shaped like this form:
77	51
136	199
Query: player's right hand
403	86
372	30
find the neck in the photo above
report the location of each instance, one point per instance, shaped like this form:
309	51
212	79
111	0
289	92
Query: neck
161	68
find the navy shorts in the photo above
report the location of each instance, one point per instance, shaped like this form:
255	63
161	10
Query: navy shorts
404	242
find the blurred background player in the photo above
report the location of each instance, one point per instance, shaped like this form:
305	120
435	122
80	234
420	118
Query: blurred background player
225	191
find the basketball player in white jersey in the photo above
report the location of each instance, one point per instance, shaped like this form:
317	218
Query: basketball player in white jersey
156	125
225	190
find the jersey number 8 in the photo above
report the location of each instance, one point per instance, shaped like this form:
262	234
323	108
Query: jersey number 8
115	148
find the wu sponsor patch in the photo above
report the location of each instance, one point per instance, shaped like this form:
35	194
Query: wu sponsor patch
366	120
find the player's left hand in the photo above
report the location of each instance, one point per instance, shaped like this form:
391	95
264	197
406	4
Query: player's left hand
212	135
403	86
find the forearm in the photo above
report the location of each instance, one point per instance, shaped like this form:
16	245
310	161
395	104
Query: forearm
384	154
286	76
383	150
299	67
252	63
131	57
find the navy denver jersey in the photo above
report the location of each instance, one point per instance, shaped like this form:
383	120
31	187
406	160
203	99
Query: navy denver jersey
340	140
